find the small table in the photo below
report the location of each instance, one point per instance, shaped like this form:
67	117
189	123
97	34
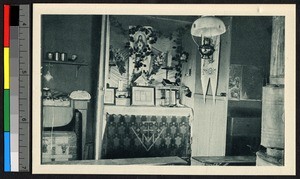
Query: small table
224	160
66	112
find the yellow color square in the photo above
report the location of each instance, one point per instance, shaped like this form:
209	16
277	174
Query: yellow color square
6	68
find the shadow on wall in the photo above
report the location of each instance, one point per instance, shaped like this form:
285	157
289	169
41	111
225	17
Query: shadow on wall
251	47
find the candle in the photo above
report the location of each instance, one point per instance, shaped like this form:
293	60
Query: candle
169	62
57	56
120	85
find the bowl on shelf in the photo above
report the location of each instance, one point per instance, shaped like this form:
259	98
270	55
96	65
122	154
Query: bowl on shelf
73	58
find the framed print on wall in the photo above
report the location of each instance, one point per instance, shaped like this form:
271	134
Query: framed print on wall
143	96
109	97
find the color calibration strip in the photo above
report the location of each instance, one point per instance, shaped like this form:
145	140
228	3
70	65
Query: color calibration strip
16	88
7	161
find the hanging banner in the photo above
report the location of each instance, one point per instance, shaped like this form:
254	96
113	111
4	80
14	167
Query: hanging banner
210	65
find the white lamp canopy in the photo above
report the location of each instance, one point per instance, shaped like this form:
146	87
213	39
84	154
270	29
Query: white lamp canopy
208	26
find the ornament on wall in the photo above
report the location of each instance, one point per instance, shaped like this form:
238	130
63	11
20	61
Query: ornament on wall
141	39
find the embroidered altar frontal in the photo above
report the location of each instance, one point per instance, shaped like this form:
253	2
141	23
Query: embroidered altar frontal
133	136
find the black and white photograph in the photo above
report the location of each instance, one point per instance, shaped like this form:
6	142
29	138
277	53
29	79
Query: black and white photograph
173	90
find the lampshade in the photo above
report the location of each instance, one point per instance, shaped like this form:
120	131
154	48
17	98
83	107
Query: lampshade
208	26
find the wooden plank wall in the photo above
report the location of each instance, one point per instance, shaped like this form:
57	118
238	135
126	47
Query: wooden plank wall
209	126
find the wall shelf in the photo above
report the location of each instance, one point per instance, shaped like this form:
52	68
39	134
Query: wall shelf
78	64
66	62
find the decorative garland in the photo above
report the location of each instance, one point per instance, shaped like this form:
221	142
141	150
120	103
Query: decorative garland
181	55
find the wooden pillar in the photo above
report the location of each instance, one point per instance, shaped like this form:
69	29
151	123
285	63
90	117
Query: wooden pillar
100	89
277	51
272	132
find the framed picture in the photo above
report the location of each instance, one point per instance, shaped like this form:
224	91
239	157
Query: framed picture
109	96
143	96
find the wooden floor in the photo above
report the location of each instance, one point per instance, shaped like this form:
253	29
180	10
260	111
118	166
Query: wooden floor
173	160
224	160
128	161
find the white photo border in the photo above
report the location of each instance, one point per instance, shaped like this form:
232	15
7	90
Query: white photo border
287	10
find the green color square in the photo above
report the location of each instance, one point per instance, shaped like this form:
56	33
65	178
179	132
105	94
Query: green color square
6	110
